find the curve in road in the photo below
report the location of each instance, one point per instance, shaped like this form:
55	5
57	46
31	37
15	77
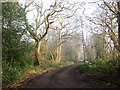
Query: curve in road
65	77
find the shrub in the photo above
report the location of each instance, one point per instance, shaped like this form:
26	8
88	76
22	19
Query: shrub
84	68
9	74
103	66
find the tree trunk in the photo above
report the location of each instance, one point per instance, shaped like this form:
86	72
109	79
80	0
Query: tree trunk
118	3
118	22
83	45
37	53
52	57
58	59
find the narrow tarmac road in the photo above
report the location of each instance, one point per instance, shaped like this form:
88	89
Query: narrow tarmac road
65	77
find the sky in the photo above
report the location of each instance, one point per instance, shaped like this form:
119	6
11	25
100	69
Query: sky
89	9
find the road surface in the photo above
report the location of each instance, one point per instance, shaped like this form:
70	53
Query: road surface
65	77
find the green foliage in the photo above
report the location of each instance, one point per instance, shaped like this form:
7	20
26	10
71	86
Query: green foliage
26	61
99	44
12	31
9	73
103	66
16	51
74	60
83	68
48	57
47	64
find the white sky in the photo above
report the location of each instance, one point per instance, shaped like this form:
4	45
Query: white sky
89	9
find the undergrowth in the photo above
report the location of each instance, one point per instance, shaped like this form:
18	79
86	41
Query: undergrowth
13	74
99	67
103	66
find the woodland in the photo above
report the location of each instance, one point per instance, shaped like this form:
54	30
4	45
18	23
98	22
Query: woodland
37	36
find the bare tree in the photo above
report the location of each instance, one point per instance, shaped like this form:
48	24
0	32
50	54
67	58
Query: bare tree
44	21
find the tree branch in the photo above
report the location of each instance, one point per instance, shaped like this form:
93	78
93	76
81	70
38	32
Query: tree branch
110	8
